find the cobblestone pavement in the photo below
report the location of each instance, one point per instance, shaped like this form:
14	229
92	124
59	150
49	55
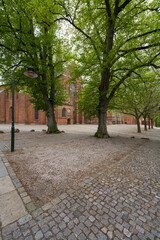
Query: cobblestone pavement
121	202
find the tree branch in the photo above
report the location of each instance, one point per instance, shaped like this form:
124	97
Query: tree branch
120	8
142	35
81	31
116	8
108	8
140	48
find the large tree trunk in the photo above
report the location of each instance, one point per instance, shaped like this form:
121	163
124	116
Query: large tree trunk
138	126
149	123
102	123
52	124
104	86
145	124
103	104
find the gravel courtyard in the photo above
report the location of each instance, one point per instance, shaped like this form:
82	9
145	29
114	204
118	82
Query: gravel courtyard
48	165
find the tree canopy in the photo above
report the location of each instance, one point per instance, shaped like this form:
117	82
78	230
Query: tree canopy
30	37
114	38
139	96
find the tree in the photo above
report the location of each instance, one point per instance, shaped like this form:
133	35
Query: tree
139	96
114	38
29	36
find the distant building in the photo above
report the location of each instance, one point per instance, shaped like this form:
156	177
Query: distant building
24	111
114	118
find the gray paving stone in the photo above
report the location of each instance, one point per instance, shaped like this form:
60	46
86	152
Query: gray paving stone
55	230
9	237
91	218
81	237
141	230
31	207
48	234
110	234
35	229
39	235
67	232
29	238
62	225
72	237
24	219
26	232
126	232
9	228
59	236
3	170
16	233
101	236
92	236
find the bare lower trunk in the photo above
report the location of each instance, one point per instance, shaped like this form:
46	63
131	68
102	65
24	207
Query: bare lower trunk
145	124
138	126
151	123
102	124
52	124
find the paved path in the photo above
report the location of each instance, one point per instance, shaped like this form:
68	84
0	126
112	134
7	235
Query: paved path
11	205
121	202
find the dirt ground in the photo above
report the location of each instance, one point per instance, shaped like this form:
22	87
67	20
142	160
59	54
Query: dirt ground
48	165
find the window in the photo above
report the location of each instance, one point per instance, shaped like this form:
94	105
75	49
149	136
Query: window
36	114
63	112
72	89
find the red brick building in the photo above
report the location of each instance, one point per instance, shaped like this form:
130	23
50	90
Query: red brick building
24	111
114	118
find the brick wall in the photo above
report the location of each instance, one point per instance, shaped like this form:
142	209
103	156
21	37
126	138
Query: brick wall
25	112
2	107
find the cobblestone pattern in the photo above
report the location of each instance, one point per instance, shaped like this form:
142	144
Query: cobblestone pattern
120	203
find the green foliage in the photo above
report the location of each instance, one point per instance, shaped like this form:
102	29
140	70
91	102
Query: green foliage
88	97
112	39
139	96
158	123
29	36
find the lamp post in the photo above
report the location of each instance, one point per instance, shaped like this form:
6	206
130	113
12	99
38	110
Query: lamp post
31	74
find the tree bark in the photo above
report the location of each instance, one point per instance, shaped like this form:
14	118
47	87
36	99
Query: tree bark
103	104
138	126
104	86
145	124
52	124
102	119
149	123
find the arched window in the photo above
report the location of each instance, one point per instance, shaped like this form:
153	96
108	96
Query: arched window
36	114
63	112
72	89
